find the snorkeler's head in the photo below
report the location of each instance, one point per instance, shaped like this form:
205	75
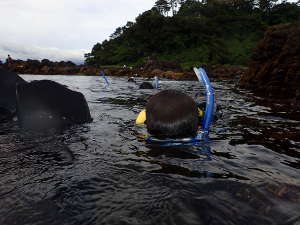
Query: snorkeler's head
172	114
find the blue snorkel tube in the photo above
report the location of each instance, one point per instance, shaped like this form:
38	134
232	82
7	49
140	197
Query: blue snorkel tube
156	82
210	102
105	78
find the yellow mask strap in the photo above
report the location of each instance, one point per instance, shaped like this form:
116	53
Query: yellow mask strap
200	112
141	118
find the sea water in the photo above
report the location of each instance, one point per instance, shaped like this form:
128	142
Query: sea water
104	172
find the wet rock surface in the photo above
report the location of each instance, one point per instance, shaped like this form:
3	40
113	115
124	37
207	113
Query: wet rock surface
8	82
47	104
224	72
40	104
47	67
274	71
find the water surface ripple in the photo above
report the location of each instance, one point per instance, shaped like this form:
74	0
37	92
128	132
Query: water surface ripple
104	173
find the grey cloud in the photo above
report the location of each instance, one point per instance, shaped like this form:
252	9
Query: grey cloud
25	52
62	24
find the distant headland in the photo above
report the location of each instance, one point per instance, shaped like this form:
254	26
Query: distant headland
169	70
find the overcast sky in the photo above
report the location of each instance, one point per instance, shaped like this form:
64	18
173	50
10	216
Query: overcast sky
61	29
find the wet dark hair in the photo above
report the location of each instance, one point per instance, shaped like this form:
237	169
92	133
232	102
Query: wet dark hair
172	114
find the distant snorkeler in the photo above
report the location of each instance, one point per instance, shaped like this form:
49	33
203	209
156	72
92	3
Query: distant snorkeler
131	79
171	114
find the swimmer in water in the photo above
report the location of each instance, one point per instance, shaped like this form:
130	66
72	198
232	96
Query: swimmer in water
171	114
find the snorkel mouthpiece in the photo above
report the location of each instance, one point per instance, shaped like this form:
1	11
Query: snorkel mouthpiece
105	79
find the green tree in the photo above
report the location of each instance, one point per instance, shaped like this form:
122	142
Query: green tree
162	6
199	31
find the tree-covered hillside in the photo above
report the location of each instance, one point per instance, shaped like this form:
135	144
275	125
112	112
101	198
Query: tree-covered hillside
193	32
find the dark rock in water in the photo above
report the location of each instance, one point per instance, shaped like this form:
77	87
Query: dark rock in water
146	85
5	114
8	81
47	104
274	70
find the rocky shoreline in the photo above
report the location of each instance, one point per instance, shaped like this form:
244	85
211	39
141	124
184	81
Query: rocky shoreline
169	70
274	70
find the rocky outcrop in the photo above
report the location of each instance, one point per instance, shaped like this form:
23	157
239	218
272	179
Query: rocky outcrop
8	82
46	67
40	104
47	104
274	70
163	66
169	70
224	72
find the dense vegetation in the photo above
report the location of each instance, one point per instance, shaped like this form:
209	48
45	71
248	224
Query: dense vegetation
193	32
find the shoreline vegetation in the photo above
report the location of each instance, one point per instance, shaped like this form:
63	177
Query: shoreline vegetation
192	33
168	70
